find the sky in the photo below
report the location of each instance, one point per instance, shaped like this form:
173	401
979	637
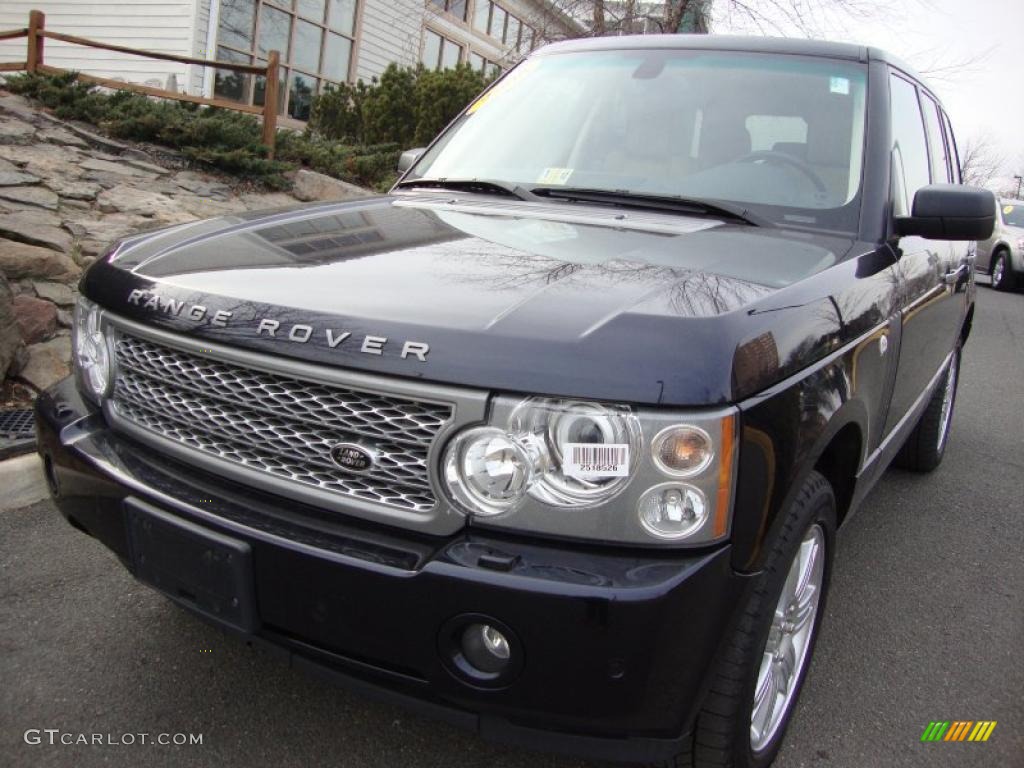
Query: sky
974	50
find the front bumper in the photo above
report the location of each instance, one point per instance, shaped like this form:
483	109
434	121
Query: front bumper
616	645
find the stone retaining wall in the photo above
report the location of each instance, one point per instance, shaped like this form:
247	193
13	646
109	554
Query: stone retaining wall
66	193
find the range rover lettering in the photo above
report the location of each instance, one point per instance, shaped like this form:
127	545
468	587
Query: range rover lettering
553	440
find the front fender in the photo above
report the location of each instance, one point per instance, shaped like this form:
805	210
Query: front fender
785	431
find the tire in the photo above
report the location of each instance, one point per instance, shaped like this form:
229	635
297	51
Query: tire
926	445
1002	272
724	735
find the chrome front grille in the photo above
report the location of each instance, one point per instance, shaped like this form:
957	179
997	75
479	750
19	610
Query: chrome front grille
279	425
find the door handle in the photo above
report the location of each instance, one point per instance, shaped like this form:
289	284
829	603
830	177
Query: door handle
951	278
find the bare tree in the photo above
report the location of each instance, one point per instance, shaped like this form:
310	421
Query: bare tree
980	163
597	18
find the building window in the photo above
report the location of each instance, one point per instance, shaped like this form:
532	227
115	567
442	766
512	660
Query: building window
498	18
480	64
482	15
439	52
527	36
314	37
456	8
492	19
512	32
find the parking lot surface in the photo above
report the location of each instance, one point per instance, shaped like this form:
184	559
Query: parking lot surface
925	622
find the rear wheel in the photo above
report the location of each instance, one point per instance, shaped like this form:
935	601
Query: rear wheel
764	661
926	445
1002	275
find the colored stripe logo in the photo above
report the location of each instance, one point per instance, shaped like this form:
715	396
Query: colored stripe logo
958	730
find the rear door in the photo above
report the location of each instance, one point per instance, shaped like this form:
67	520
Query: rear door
933	273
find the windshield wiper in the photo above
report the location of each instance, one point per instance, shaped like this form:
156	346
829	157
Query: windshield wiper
626	198
479	186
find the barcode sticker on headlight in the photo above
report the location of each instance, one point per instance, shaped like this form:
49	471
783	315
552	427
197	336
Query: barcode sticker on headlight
592	460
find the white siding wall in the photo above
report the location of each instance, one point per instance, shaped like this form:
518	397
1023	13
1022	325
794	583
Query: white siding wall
167	26
391	31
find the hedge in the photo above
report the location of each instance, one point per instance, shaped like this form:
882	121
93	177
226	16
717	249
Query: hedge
356	132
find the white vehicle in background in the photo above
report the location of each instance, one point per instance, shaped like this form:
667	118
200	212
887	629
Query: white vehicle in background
1002	255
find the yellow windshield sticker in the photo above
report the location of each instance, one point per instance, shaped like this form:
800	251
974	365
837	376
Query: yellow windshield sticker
504	84
479	103
554	176
1007	209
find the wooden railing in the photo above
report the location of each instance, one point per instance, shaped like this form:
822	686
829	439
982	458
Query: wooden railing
37	35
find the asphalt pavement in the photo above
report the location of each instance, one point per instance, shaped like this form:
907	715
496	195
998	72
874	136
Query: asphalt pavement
925	622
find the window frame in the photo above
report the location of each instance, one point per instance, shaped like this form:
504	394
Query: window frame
926	100
893	74
444	6
954	155
286	66
464	48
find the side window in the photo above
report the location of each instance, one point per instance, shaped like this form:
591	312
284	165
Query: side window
936	142
909	148
954	155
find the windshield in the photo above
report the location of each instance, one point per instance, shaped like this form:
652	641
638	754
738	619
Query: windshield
1013	215
783	135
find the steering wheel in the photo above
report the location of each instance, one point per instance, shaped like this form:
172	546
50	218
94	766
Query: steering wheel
783	158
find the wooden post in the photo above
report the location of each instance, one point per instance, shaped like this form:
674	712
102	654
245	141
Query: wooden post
270	103
36	24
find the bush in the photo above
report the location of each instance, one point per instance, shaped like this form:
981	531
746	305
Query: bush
440	96
372	166
355	132
408	106
226	140
337	113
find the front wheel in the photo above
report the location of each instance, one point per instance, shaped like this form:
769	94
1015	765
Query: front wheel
764	661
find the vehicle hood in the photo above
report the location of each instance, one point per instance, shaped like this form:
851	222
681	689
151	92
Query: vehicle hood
544	298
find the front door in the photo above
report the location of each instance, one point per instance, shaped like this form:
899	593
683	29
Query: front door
934	275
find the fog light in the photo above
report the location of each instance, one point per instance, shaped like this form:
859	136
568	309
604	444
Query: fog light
682	450
673	510
486	648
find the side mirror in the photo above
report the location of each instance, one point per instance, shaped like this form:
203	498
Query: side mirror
408	158
950	212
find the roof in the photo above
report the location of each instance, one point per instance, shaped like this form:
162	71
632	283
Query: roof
722	43
745	43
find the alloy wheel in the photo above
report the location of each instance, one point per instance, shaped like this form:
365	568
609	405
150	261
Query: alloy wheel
947	403
789	639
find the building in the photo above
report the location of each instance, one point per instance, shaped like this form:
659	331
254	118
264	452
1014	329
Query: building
320	41
641	17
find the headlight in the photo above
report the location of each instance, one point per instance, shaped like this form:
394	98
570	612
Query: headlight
488	470
576	468
92	359
588	449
